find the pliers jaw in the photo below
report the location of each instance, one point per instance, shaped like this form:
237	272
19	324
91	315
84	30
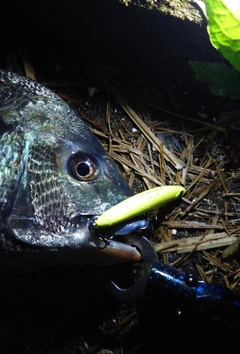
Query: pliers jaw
137	290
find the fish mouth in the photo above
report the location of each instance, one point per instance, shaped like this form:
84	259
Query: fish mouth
128	218
120	241
123	249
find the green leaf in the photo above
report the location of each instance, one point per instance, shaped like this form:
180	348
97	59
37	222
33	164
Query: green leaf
221	79
224	28
232	251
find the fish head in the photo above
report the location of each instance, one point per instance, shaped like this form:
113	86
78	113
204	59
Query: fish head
55	178
66	182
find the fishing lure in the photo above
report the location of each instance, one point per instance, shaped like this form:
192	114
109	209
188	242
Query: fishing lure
139	204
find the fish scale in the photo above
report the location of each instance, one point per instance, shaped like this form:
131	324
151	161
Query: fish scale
11	164
21	96
52	206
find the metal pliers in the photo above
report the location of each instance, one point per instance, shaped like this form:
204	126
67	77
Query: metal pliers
162	279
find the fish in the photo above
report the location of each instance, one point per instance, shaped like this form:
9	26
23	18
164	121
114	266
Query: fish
55	176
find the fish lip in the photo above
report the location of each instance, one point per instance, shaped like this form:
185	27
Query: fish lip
123	247
121	240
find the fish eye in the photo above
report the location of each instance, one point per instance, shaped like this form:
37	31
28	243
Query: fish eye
83	167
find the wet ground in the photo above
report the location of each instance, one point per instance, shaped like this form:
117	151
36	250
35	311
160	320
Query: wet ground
67	310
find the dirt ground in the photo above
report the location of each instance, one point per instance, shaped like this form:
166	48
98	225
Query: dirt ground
143	91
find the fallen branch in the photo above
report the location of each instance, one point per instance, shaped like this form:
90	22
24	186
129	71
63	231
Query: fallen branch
188	244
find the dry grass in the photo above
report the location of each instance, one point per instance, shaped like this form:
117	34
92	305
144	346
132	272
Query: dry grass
207	218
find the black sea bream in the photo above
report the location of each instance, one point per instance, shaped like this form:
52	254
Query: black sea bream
54	177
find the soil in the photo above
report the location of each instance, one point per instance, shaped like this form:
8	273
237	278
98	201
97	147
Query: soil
139	51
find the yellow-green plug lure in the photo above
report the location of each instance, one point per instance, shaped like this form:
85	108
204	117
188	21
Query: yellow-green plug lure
139	204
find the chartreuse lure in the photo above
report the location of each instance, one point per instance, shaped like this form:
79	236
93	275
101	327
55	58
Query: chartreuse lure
139	204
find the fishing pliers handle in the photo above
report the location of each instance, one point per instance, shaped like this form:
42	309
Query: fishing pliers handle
162	279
